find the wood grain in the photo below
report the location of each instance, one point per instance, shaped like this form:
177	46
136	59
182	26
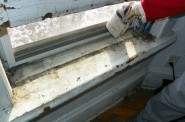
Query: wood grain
129	107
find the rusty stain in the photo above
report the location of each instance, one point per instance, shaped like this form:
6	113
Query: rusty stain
48	15
134	57
46	109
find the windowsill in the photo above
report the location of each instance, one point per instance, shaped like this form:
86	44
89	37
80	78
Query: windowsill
94	63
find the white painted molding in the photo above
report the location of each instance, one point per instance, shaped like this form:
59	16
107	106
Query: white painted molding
106	97
162	27
120	91
5	96
34	10
5	82
155	76
7	50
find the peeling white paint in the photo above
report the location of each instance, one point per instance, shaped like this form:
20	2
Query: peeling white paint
24	72
67	81
26	11
32	32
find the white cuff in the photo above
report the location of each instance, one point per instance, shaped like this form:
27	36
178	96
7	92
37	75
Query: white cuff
141	10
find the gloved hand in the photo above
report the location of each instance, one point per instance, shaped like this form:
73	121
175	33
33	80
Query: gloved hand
124	17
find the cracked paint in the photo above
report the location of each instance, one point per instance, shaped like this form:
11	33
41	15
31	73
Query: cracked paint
24	12
70	79
47	28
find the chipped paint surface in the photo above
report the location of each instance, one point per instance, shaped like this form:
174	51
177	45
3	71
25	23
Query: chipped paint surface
71	79
26	11
3	15
25	71
32	32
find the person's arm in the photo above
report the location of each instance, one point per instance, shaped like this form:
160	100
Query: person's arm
146	10
157	9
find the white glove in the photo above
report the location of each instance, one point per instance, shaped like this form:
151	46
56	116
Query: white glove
125	16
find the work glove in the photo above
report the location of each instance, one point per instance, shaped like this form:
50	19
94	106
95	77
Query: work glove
124	17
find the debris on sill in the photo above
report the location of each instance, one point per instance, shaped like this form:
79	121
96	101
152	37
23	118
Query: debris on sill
89	70
19	77
134	57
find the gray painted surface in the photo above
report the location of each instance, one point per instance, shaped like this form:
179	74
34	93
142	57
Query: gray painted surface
58	85
157	66
95	101
154	80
